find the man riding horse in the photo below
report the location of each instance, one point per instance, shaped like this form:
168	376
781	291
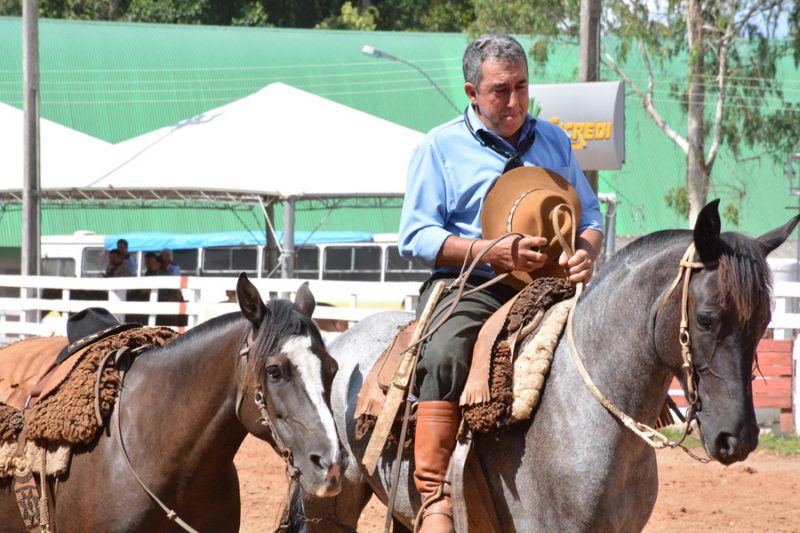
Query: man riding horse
449	177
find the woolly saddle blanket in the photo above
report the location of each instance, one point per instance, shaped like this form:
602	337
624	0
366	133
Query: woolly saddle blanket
510	361
73	401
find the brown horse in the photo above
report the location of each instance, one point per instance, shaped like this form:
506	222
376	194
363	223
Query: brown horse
185	410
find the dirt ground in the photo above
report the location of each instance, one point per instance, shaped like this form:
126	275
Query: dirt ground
757	495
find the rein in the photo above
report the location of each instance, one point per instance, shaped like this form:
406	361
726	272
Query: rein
651	436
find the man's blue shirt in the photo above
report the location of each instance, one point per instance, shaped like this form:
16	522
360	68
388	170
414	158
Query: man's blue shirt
451	172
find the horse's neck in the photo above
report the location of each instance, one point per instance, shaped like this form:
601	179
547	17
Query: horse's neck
613	330
179	401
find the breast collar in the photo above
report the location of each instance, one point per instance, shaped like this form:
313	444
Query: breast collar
490	141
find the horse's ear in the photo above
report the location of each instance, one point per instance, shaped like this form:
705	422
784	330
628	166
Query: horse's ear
706	232
250	300
305	300
772	239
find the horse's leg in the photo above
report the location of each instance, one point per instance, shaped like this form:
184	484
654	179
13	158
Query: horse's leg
328	515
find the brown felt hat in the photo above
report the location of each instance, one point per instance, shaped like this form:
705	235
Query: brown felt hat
522	200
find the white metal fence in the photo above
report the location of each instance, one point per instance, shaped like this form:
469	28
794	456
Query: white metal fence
39	305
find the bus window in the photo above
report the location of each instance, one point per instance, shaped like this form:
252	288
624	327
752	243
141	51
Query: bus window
306	262
230	260
58	267
187	260
93	262
398	268
355	263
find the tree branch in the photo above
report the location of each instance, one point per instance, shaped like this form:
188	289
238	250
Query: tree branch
647	103
722	73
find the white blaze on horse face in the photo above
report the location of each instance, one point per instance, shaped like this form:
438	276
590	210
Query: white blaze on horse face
298	350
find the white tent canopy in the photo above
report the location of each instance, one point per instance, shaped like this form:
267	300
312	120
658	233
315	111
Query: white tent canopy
64	152
280	141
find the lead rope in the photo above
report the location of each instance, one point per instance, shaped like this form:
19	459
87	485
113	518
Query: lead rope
651	436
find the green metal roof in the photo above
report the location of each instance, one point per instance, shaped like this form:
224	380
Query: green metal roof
118	80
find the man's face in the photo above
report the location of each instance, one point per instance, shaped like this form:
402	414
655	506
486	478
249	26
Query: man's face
122	246
501	99
165	257
114	259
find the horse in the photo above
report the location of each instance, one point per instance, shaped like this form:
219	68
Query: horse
184	410
573	466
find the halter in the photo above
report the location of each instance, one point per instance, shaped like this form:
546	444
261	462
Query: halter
650	435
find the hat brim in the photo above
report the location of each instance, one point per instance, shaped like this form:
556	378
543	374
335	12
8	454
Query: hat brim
521	201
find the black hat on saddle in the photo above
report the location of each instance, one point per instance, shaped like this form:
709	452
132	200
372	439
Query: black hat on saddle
88	326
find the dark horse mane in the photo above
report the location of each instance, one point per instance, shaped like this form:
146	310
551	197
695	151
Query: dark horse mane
745	280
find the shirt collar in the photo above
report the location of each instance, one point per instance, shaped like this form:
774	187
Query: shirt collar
528	126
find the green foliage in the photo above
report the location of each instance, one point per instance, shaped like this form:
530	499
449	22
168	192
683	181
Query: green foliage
544	19
10	8
253	14
433	15
351	19
731	214
677	199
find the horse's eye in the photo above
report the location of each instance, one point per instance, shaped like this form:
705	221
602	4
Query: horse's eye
705	322
274	373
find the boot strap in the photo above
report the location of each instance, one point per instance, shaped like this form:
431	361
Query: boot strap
431	506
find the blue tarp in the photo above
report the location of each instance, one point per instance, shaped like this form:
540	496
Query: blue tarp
182	241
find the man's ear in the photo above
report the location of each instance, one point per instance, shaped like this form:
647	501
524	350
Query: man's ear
472	93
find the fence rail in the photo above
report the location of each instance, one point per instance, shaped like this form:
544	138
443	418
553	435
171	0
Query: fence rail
39	305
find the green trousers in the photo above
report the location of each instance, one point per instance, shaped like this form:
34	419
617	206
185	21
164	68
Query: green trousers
446	356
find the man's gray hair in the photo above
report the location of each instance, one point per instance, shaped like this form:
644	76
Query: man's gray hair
498	47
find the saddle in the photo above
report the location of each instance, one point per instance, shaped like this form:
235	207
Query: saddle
496	377
47	407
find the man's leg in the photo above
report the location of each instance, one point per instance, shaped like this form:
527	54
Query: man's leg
441	374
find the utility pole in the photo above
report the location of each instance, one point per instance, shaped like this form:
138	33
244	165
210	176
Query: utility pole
31	213
589	69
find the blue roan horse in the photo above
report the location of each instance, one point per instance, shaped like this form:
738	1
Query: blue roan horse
574	467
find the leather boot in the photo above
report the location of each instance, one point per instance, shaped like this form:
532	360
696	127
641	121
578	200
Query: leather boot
434	442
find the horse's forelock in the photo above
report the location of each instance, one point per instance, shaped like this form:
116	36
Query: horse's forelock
281	321
744	279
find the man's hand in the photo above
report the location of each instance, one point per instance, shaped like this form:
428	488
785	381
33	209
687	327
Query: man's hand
521	254
579	266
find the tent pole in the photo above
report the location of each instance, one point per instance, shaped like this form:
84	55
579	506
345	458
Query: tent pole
287	256
272	247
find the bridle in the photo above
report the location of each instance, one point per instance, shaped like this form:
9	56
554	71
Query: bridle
686	266
292	472
266	420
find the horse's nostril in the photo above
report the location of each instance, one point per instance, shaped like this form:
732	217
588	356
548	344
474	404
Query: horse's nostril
726	444
320	462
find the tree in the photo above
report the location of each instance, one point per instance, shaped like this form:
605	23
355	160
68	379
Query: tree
731	51
351	18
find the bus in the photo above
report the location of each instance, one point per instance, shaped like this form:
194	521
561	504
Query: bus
344	256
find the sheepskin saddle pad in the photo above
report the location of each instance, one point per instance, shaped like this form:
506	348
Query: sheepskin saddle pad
510	361
72	401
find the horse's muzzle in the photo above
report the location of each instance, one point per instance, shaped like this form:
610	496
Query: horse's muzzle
728	448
